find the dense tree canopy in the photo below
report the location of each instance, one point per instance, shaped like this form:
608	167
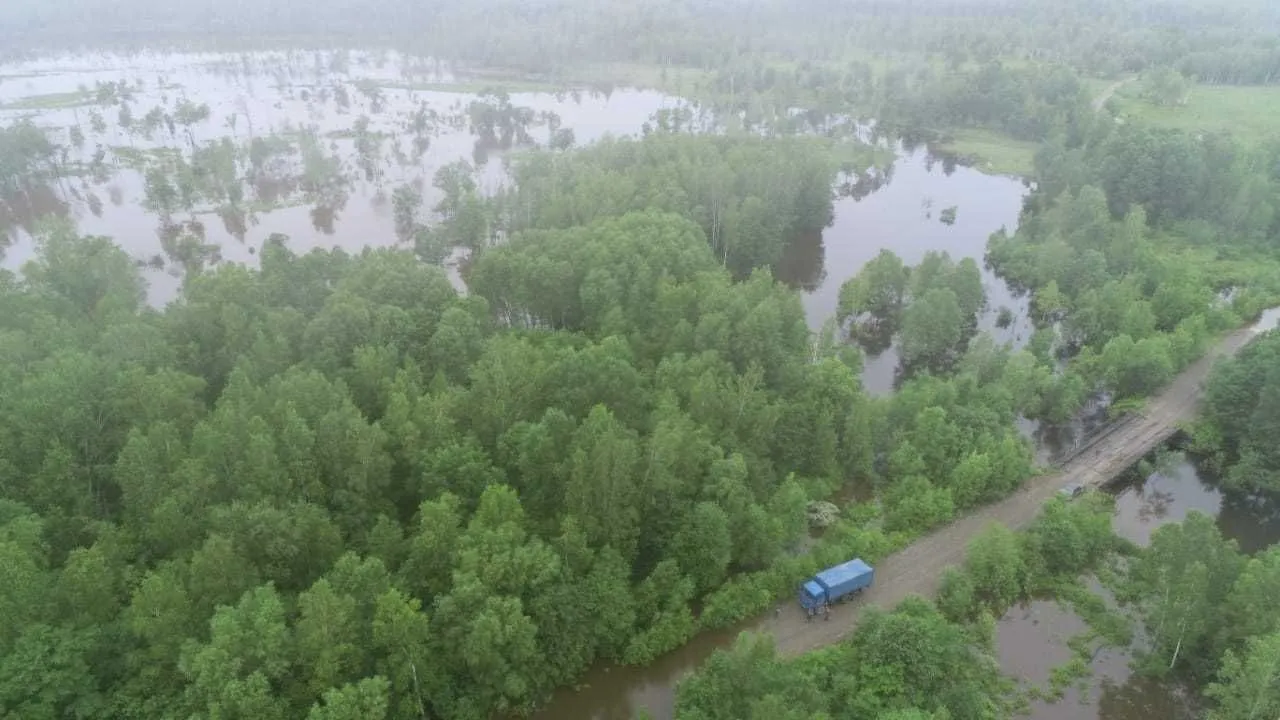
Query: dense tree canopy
1240	418
334	486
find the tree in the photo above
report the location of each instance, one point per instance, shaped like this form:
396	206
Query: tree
1249	686
996	565
327	639
879	290
703	545
237	671
366	699
744	680
1179	583
601	488
913	657
932	328
1164	86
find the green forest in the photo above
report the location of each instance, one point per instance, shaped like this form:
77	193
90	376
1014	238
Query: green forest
335	485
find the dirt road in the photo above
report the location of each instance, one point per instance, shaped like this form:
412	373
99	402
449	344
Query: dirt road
1106	94
917	568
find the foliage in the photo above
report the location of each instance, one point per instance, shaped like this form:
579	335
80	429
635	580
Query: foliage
917	658
333	486
1239	422
751	196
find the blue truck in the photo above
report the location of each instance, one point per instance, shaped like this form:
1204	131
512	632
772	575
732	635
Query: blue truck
835	584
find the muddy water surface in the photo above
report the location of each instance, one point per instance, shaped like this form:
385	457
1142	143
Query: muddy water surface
1032	638
1144	503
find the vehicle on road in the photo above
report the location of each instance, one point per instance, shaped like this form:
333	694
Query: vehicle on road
1072	490
835	584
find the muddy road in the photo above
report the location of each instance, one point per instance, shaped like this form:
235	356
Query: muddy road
918	568
615	693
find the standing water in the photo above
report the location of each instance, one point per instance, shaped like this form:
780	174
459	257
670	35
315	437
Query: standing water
902	215
905	215
1032	638
322	140
316	145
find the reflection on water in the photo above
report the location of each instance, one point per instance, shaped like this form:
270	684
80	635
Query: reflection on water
307	144
803	263
1143	504
893	210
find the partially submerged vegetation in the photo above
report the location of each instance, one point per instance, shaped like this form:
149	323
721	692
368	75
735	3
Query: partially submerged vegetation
358	493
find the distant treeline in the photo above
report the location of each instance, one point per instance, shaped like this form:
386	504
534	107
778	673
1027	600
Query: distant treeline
1224	42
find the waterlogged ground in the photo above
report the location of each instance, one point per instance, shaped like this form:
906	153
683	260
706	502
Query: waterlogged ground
1032	639
310	145
188	160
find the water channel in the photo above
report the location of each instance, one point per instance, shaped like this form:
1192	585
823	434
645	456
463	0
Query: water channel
284	94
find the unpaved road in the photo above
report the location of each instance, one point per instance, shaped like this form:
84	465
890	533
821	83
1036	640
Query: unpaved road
917	568
913	570
1106	94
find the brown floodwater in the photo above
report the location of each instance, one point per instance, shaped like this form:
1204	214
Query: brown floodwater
1144	503
1031	639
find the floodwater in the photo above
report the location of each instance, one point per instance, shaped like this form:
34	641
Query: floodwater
1031	639
905	215
1143	504
414	127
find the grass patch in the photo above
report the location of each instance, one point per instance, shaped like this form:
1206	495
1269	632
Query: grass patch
1249	112
992	152
1073	672
51	101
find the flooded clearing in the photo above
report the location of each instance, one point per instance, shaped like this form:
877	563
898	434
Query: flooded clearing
308	145
1032	639
195	159
189	161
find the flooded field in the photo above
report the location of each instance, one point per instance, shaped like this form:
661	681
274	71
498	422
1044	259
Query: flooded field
191	160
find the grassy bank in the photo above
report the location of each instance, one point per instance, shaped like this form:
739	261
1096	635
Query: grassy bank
992	152
1250	112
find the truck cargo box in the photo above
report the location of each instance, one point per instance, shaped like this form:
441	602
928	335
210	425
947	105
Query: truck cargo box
846	578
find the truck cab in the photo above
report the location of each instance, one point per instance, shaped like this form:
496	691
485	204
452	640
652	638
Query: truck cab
812	595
